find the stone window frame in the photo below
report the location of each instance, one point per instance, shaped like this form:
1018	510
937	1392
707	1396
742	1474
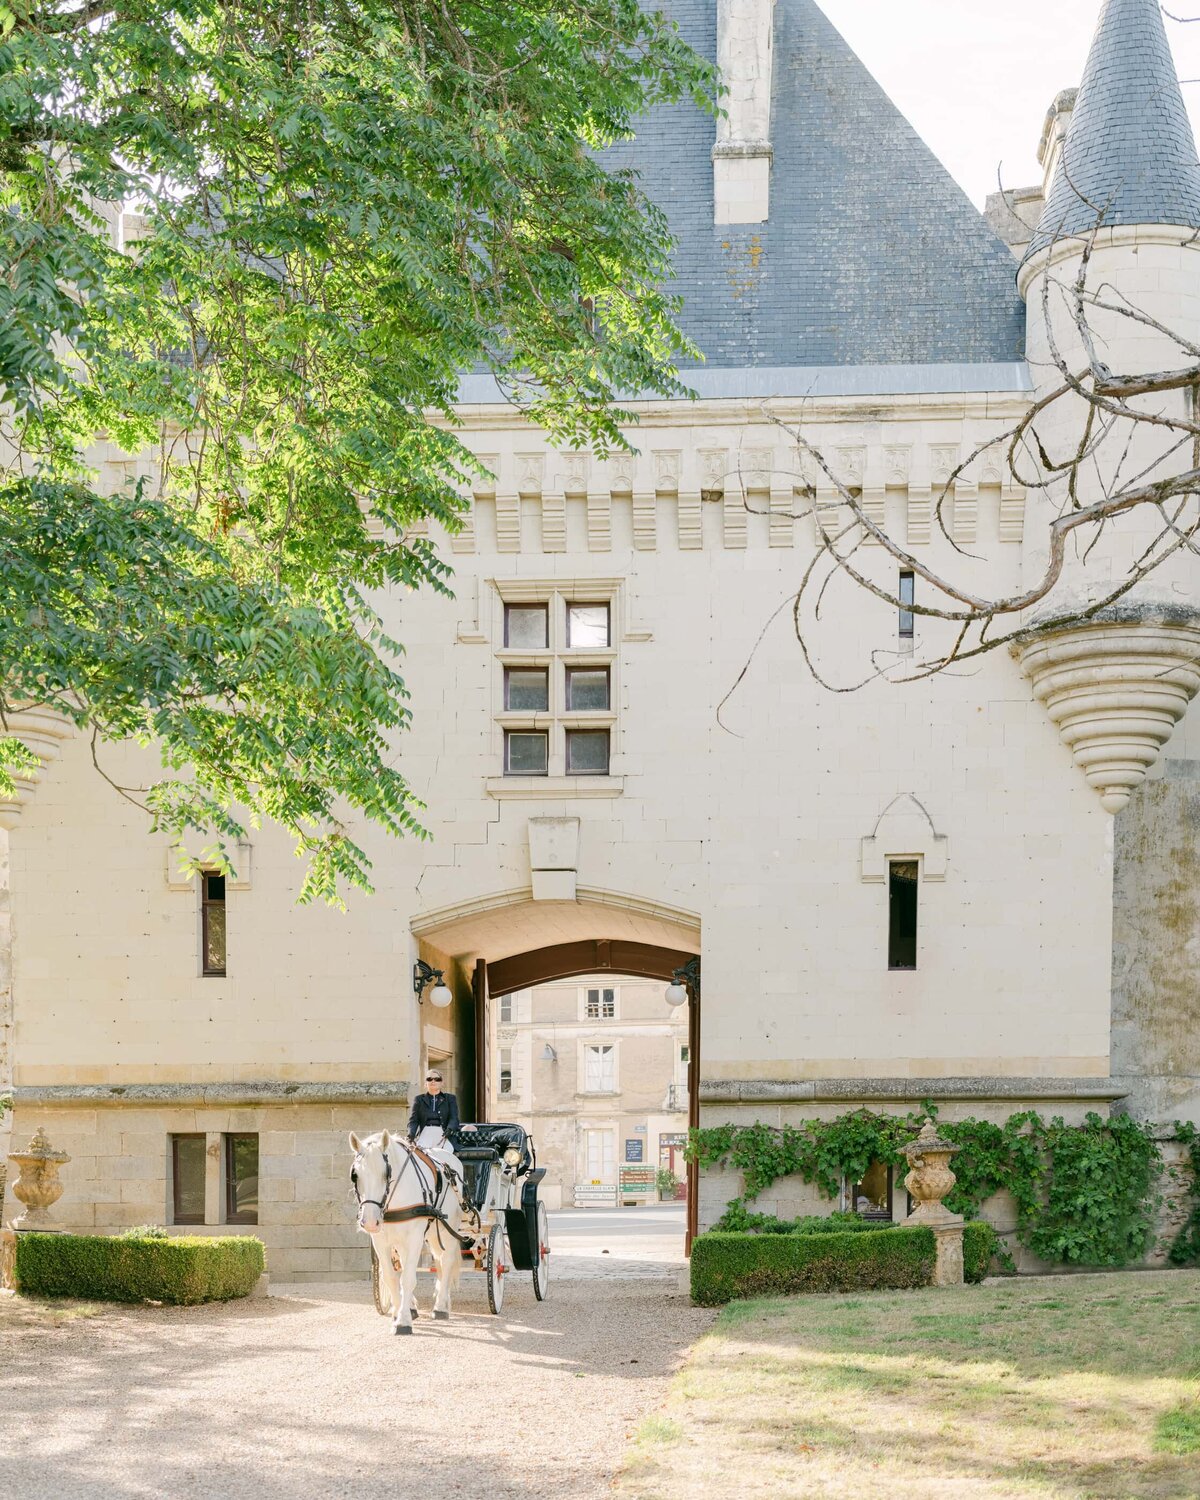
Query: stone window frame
602	1093
583	1003
557	594
511	1091
229	1212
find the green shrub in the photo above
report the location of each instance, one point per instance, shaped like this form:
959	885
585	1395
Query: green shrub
145	1232
980	1244
725	1266
738	1220
122	1269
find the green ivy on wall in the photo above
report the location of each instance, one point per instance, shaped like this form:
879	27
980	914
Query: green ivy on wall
1083	1194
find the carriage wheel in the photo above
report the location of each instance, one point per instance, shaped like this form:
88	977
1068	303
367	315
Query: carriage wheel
541	1252
497	1267
377	1284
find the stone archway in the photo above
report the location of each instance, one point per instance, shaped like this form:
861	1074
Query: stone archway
506	943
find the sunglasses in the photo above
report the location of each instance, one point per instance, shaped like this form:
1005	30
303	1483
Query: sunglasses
433	1078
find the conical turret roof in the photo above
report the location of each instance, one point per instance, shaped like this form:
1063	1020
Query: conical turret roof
1129	152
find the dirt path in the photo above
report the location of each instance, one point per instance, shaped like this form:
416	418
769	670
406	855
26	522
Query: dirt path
309	1394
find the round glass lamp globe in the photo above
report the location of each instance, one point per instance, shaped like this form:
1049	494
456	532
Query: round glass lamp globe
440	996
676	995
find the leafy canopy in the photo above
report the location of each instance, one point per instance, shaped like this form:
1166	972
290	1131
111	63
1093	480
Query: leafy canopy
257	245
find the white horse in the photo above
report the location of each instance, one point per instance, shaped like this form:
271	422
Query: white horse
402	1203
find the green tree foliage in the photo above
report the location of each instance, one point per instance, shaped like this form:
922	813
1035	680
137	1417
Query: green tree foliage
341	207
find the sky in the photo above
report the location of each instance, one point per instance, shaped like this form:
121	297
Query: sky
975	77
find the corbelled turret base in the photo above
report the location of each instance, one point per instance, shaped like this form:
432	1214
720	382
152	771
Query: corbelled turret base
1116	690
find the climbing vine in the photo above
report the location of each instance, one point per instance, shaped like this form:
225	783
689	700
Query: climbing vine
1186	1249
1083	1194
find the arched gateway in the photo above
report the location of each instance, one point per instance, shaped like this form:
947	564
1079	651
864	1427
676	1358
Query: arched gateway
495	947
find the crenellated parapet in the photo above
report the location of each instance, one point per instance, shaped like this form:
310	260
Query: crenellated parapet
724	478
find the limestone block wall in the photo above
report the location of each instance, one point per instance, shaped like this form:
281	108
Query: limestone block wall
744	801
119	1176
1156	945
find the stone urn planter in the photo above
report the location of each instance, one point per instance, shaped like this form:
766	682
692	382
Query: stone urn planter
37	1186
929	1180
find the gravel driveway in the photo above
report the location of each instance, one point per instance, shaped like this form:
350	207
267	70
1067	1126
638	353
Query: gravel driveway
308	1394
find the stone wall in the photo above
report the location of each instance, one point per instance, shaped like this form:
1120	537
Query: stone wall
1156	945
119	1175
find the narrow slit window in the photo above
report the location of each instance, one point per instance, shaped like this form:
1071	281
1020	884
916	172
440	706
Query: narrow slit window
506	1070
187	1179
526	689
241	1179
526	753
587	752
212	923
902	914
907	618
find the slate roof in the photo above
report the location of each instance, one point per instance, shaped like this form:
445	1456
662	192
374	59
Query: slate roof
1129	149
872	254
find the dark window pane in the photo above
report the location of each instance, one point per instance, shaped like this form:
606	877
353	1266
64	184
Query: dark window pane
587	752
907	585
902	914
241	1179
587	688
214	887
526	689
872	1197
187	1178
525	754
587	625
526	625
214	937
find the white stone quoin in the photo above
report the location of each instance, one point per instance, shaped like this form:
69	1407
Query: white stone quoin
1115	692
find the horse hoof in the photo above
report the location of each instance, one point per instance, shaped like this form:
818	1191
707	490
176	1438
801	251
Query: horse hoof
442	1317
415	1314
401	1328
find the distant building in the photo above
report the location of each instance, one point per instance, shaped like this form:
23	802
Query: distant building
596	1069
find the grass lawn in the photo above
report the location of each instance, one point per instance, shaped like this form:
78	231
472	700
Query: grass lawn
1074	1388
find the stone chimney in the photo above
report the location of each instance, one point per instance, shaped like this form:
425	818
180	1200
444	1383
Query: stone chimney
742	153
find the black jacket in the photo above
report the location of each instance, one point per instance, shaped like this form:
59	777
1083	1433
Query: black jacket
430	1110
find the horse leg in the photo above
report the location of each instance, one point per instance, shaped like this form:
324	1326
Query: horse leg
444	1255
389	1277
410	1255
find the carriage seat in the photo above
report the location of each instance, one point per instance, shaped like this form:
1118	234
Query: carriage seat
480	1147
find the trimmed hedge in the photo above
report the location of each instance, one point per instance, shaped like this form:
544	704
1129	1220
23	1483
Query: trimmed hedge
741	1222
980	1244
725	1266
126	1269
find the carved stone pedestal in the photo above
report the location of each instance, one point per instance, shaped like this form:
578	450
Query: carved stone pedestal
929	1180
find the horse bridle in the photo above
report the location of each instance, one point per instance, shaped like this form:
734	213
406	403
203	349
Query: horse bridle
390	1184
389	1187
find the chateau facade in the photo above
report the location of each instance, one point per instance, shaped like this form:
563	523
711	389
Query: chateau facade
931	890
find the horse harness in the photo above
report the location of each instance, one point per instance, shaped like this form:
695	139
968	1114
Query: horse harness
428	1207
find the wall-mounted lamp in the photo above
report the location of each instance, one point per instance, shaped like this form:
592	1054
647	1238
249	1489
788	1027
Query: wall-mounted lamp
423	974
685	982
549	1054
